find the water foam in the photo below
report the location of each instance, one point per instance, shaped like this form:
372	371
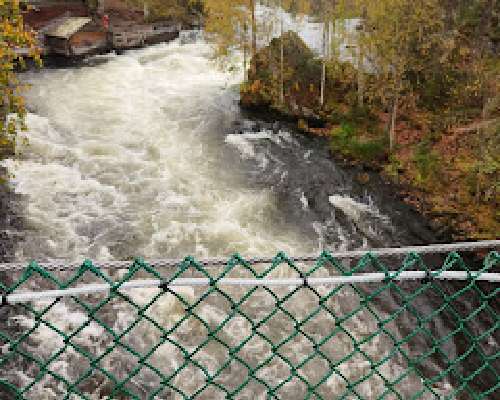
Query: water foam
133	171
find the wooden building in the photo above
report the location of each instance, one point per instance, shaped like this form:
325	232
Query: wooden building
76	36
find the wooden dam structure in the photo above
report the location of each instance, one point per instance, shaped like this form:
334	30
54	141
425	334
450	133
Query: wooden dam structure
126	36
82	36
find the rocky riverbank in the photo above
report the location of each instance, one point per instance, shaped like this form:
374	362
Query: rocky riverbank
11	222
447	173
11	225
364	178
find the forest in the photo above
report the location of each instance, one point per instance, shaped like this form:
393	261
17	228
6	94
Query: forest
418	99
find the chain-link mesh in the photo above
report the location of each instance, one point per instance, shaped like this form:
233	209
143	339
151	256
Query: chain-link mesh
427	339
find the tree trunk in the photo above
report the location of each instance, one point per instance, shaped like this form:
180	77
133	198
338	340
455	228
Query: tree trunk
361	78
282	73
3	118
254	38
245	50
323	71
481	134
392	132
331	32
361	59
282	59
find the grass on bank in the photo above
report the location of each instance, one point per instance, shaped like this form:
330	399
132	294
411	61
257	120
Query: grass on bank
346	141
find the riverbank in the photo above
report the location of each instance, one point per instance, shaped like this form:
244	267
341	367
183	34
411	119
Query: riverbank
448	172
320	180
11	227
11	222
436	180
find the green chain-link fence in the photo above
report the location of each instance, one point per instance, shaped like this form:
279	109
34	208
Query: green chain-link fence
425	339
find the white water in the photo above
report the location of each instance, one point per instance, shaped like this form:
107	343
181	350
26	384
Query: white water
126	158
123	161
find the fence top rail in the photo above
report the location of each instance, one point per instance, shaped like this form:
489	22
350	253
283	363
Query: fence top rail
373	277
59	265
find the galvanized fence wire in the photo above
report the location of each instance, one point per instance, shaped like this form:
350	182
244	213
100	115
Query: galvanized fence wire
472	370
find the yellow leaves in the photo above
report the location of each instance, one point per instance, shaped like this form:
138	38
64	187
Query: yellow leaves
302	124
12	36
255	86
449	43
464	51
229	23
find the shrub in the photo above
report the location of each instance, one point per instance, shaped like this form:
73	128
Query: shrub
426	162
346	141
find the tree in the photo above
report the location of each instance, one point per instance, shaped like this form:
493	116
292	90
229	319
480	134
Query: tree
326	11
361	60
15	41
395	36
295	8
282	55
175	10
228	22
328	16
252	4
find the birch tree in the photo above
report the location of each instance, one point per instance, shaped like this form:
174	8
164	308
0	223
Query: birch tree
232	25
175	10
395	34
296	9
326	10
282	54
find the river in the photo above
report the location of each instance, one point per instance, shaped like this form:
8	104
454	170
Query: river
136	155
147	154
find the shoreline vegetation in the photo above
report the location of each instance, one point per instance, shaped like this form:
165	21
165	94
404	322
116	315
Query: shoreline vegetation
418	102
432	128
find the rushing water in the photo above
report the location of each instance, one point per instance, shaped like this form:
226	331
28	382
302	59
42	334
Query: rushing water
145	154
135	155
123	160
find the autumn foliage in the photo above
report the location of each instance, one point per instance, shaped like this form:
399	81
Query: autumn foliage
13	39
419	98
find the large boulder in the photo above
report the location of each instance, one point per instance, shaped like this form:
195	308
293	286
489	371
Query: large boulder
302	74
302	81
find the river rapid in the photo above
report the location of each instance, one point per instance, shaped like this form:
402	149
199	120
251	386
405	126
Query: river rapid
147	154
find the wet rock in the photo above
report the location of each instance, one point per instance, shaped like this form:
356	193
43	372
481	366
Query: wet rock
276	127
10	221
250	126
